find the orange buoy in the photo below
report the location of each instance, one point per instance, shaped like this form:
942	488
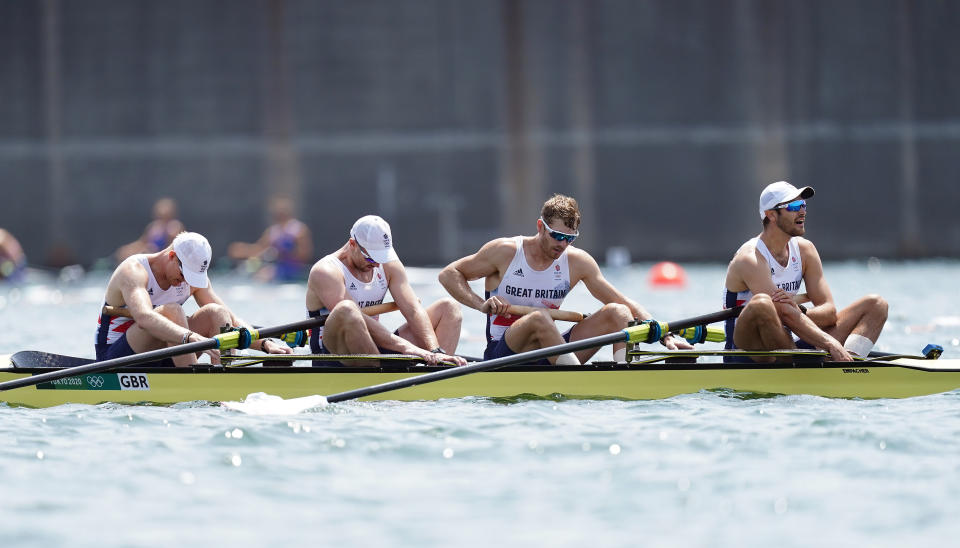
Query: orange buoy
668	274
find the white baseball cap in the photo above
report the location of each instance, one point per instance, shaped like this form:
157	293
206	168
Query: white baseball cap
780	192
194	253
373	234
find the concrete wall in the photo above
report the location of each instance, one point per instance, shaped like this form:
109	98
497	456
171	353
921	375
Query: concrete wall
455	119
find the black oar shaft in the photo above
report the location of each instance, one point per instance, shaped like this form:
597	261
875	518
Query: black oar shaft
156	355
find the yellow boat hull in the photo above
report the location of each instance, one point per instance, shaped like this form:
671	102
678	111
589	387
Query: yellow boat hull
895	379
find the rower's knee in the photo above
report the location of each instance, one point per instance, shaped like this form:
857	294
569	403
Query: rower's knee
345	311
617	315
761	305
449	309
173	312
877	305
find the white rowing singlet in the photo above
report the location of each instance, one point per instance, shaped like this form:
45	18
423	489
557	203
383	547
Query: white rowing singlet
363	293
522	285
118	325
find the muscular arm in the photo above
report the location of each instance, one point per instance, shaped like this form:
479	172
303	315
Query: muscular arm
409	305
131	281
485	263
824	311
584	267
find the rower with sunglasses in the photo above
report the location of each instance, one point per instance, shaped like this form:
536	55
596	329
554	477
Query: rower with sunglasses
766	275
358	275
143	305
538	271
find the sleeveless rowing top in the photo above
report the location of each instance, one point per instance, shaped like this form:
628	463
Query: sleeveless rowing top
283	239
522	285
363	293
111	328
788	278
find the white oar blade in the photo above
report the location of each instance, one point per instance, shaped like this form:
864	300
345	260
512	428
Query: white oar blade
261	403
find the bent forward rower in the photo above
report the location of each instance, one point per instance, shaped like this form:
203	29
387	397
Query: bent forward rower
152	288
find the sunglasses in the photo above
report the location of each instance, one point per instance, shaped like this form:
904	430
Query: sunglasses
557	235
795	205
363	252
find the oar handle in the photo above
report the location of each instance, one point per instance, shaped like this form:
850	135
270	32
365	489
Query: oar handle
556	314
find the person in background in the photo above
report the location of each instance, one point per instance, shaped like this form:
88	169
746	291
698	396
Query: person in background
143	305
13	262
358	275
766	273
283	252
159	233
540	271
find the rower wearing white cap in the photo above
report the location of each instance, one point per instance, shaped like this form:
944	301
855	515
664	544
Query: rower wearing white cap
766	274
359	274
151	289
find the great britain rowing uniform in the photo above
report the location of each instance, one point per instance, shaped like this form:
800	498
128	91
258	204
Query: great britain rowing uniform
363	293
522	285
788	278
111	335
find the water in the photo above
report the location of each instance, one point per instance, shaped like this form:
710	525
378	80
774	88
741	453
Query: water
708	469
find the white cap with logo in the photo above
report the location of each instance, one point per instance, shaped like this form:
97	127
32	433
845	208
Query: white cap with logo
194	253
780	192
373	234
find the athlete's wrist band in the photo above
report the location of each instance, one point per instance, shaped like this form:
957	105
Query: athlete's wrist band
186	337
439	350
803	309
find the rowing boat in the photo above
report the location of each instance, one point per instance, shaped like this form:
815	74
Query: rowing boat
895	377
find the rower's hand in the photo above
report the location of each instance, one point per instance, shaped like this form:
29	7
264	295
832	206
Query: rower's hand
213	352
781	296
496	306
450	359
271	346
676	343
839	354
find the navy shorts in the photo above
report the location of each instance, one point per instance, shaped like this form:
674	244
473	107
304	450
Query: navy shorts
500	349
121	348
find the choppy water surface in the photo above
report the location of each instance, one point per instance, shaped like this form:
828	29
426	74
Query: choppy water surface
709	469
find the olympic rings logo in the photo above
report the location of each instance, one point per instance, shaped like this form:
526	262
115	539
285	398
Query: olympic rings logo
96	382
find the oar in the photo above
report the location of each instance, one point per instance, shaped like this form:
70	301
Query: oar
223	341
645	332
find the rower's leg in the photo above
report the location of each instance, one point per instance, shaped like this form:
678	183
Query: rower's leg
207	321
612	317
759	327
141	341
533	331
345	332
865	317
445	317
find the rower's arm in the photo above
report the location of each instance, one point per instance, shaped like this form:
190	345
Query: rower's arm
409	306
584	267
132	282
824	311
456	276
